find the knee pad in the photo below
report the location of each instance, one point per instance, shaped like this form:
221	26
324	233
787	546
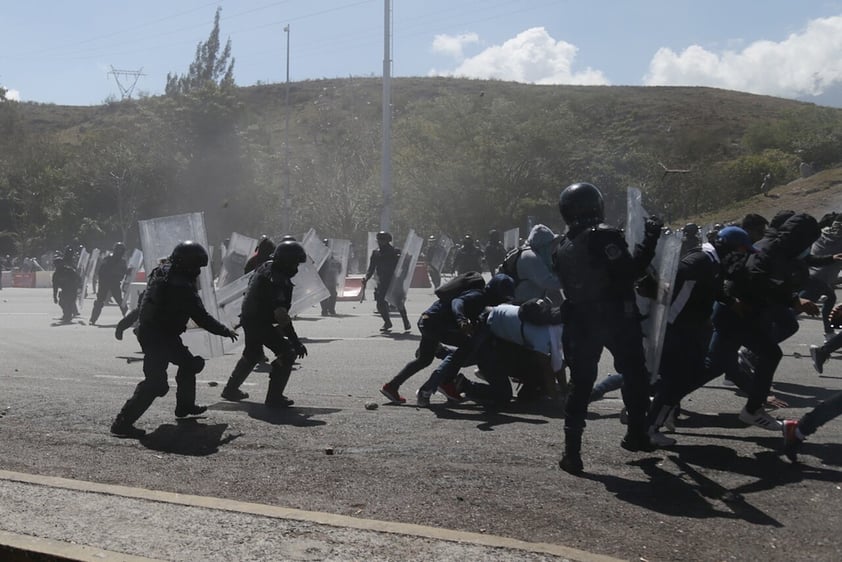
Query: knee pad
197	364
160	389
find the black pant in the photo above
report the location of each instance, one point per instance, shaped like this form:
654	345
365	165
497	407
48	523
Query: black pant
159	350
107	287
588	330
433	333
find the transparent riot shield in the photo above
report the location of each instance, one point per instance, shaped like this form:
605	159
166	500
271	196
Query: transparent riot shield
158	237
663	268
234	260
133	264
90	270
309	289
371	245
437	255
511	239
229	299
396	295
341	251
315	248
81	267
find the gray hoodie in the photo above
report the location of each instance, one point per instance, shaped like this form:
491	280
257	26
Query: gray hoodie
536	278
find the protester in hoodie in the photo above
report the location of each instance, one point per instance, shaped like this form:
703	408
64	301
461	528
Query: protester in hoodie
822	279
535	275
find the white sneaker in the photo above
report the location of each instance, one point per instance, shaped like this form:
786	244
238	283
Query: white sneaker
659	439
761	419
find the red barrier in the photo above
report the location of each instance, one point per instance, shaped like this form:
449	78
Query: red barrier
420	279
23	280
353	286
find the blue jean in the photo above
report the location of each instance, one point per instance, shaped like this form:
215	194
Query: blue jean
462	356
432	334
821	414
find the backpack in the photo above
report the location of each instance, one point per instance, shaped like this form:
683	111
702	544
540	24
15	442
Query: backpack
540	312
509	265
470	280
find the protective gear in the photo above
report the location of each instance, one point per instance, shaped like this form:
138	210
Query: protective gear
281	315
119	249
198	364
288	238
652	227
232	335
493	235
265	246
278	379
289	252
581	204
690	229
300	350
189	255
383	237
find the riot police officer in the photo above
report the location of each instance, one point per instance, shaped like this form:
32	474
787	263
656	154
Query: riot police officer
383	262
170	300
66	285
261	254
495	252
598	275
468	257
112	270
266	322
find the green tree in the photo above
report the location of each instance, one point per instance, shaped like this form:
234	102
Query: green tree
210	67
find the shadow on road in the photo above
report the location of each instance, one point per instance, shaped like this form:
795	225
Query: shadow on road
488	418
188	437
801	396
295	416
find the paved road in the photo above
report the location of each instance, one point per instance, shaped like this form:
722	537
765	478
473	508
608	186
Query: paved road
723	493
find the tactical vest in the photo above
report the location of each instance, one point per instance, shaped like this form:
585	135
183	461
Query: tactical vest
582	265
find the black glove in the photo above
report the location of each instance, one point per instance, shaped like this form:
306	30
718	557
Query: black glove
653	226
232	334
300	350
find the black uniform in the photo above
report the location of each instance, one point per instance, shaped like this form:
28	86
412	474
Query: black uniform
112	270
329	273
268	290
170	300
383	262
598	276
66	286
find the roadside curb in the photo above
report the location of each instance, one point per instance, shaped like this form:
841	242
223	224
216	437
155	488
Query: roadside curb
234	506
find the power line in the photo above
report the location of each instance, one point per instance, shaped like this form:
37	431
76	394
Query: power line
133	75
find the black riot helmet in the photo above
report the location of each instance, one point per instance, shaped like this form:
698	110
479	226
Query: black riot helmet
383	237
288	238
493	235
581	204
265	246
119	249
690	229
288	253
189	255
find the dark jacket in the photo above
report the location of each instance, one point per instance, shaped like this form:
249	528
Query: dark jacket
170	301
383	261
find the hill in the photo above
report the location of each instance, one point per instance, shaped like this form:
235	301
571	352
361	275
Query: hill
467	156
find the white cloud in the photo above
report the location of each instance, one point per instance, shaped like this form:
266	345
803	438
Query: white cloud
533	56
452	45
805	63
13	95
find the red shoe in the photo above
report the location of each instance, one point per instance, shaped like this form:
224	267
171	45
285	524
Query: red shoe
448	389
391	393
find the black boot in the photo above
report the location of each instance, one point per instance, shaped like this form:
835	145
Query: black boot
185	394
232	390
278	379
571	462
134	407
123	428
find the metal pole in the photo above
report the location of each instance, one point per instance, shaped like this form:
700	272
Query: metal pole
386	165
286	207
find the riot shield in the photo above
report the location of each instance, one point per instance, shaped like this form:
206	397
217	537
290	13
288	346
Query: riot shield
229	299
90	270
396	295
81	267
309	289
315	248
371	245
158	237
341	251
234	260
511	239
133	265
663	269
437	255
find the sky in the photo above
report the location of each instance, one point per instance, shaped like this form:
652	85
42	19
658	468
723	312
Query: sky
55	51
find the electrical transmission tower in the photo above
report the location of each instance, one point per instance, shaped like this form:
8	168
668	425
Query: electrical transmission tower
133	75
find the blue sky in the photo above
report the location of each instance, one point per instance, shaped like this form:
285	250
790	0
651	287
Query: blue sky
54	51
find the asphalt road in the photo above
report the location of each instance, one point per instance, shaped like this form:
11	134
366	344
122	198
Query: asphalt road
723	493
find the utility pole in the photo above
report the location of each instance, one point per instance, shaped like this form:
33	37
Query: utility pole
286	213
126	90
386	164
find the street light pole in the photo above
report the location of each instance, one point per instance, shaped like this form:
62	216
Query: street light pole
286	207
386	163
